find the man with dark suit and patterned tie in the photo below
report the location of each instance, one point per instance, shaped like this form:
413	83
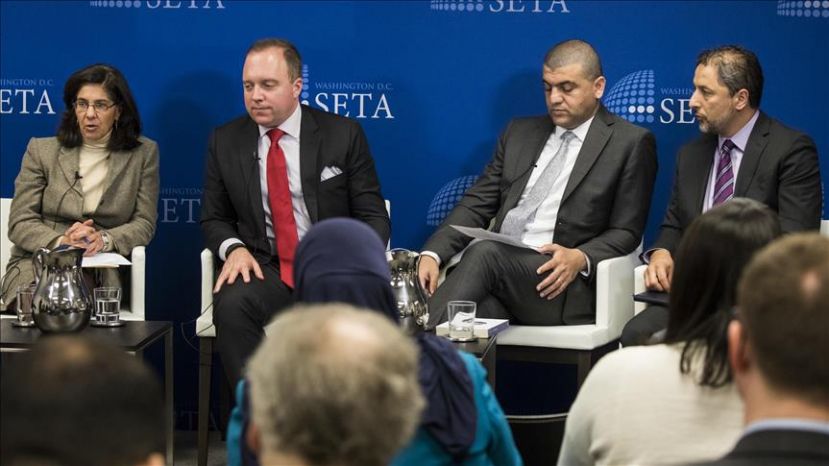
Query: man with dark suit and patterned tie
271	174
741	153
574	185
778	347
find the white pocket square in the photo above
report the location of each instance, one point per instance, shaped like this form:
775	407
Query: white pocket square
330	172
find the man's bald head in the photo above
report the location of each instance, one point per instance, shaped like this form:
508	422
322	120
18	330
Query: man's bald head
575	52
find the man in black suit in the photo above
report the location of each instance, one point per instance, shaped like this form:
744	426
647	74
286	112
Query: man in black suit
766	161
778	348
574	185
271	174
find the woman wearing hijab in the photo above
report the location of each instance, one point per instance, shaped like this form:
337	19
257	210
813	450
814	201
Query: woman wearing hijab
344	260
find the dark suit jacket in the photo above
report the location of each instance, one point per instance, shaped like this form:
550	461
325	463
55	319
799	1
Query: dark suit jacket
604	207
778	447
232	199
779	168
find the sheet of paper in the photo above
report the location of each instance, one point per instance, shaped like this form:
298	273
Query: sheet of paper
481	234
105	259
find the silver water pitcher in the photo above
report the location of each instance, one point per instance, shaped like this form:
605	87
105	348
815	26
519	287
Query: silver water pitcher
62	302
411	300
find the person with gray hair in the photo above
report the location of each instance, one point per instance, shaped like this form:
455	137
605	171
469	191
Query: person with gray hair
778	346
573	185
741	153
333	384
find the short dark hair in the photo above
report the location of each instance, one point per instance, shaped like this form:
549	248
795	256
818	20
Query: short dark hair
710	257
127	129
783	304
75	401
289	50
737	68
575	51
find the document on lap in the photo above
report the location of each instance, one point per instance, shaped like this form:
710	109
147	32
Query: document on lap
481	234
105	259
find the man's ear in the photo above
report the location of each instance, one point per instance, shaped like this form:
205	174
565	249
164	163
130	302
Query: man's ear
738	350
155	459
252	438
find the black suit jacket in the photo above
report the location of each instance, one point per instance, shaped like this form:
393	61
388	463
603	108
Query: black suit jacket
778	447
605	203
779	168
232	198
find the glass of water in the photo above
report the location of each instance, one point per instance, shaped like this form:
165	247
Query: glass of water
25	295
461	320
107	306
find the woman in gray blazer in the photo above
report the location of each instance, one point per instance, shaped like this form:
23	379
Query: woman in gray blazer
94	185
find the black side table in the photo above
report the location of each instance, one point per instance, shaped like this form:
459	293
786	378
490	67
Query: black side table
484	350
134	337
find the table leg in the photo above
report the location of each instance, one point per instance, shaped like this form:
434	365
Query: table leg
168	394
489	365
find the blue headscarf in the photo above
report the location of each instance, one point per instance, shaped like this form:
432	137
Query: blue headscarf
344	260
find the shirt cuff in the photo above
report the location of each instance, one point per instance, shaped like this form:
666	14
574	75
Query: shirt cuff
226	244
432	255
586	272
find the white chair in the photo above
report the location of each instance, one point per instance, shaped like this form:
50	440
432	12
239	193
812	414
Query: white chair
206	332
132	311
581	345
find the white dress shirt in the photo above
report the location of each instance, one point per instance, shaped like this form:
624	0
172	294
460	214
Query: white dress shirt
290	147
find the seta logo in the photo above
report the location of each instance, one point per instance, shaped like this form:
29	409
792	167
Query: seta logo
179	205
809	9
635	99
159	4
351	99
26	96
446	198
500	6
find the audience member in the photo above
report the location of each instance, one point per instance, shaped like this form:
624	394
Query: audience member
778	348
73	401
333	385
674	402
344	260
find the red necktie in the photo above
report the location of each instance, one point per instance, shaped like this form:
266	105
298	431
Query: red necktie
282	209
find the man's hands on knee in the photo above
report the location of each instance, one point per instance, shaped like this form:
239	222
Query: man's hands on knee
659	271
239	262
563	266
427	274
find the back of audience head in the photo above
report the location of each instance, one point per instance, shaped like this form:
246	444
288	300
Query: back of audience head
344	260
710	258
333	384
75	401
781	336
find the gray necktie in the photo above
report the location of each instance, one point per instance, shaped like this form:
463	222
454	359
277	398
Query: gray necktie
519	216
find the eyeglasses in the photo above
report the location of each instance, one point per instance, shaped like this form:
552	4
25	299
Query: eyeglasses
100	106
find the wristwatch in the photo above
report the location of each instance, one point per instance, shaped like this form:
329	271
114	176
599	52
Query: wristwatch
106	239
234	247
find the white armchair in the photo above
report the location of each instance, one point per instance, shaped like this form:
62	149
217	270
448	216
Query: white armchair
134	310
582	345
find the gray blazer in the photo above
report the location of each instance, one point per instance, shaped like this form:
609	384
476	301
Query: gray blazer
605	203
48	199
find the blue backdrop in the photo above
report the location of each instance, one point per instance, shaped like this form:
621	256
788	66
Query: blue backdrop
432	82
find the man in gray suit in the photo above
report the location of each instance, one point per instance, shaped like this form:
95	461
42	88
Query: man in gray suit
574	185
